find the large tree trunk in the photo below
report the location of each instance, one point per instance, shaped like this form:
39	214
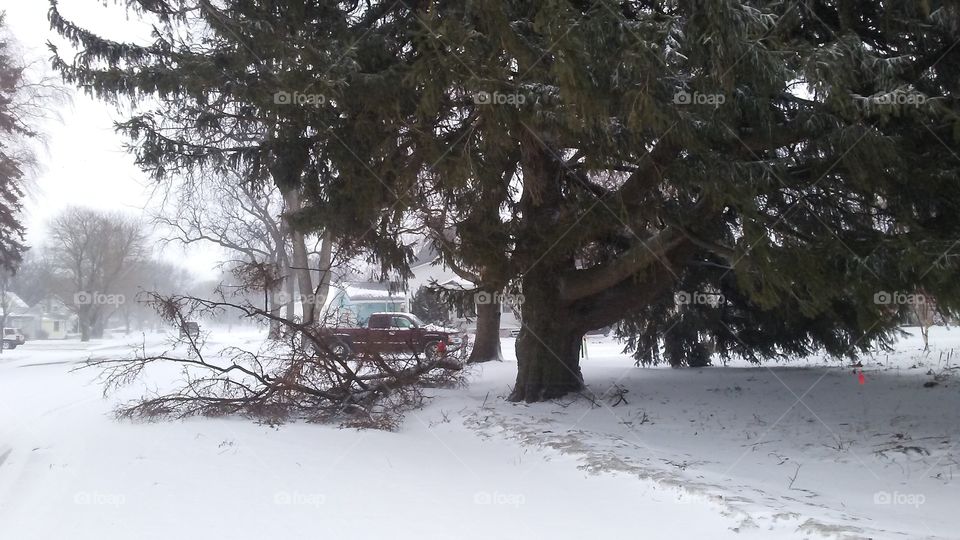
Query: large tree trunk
275	307
282	259
291	157
290	288
301	262
486	347
83	321
324	267
97	327
548	347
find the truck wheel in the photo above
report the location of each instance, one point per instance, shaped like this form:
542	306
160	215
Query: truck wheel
340	349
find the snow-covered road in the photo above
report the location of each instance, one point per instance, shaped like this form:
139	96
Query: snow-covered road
786	452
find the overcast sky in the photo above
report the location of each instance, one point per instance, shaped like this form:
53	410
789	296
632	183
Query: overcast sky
84	162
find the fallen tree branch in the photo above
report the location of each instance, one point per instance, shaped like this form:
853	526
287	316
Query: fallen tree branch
294	375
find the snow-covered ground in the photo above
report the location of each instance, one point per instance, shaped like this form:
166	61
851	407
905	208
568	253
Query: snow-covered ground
783	451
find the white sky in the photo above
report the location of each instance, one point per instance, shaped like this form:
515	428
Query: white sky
84	162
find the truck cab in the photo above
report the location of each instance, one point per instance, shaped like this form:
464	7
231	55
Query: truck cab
395	334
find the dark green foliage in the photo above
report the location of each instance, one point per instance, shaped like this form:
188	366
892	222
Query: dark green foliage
791	160
14	155
426	304
795	158
217	91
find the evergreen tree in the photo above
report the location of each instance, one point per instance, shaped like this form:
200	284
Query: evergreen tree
748	175
754	175
426	305
243	87
15	156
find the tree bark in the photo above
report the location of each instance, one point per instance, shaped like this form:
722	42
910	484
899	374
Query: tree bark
324	267
275	306
548	347
83	321
290	288
301	262
282	256
97	327
548	359
486	347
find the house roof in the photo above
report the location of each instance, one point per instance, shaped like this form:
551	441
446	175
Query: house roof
51	305
13	303
425	249
457	284
372	290
426	254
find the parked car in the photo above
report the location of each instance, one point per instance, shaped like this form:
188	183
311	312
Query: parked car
190	328
12	338
394	333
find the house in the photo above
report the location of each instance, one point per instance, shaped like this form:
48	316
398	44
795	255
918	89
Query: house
47	319
428	271
17	313
356	301
360	299
52	319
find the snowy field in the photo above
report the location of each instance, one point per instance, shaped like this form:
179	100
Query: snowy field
802	450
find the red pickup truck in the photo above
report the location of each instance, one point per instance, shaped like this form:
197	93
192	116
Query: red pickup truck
395	334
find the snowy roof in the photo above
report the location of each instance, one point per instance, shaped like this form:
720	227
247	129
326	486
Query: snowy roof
13	303
426	254
373	290
425	250
457	284
50	305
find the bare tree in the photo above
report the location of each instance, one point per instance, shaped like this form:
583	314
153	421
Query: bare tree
245	221
149	275
252	224
95	251
37	277
924	310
